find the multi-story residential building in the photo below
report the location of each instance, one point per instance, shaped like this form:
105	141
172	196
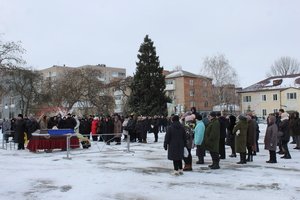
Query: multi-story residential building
108	74
189	90
271	94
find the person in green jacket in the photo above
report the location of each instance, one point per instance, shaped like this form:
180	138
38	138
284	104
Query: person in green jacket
212	137
240	131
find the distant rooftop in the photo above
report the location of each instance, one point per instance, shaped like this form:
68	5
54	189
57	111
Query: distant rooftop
275	83
181	73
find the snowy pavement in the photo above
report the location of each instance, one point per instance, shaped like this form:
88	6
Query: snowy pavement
108	172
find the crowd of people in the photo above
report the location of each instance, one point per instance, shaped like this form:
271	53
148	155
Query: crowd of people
211	133
96	128
207	133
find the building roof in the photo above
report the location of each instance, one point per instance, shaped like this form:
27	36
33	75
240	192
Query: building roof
275	83
182	73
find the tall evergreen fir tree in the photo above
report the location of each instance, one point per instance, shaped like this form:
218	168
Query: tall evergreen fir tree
147	89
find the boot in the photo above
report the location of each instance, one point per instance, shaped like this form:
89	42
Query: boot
244	158
200	160
250	158
187	167
175	173
241	159
215	165
216	160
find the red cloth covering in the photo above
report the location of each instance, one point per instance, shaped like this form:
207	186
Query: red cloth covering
52	142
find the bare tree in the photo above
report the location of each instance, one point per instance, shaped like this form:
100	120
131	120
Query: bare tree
24	83
284	66
218	68
80	86
11	54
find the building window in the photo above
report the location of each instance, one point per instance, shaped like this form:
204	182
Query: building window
292	95
114	74
121	74
275	110
264	112
205	94
274	97
264	97
205	83
11	101
192	93
169	82
191	82
192	104
247	99
206	104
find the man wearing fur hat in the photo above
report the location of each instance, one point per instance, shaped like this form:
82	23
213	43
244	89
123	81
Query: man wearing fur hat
212	139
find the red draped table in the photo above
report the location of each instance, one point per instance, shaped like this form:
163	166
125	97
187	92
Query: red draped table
50	142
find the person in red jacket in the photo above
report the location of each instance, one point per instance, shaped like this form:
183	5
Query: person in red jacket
94	128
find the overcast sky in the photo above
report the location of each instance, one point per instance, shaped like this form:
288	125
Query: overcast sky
252	34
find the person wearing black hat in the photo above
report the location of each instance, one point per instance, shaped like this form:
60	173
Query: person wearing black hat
20	131
212	138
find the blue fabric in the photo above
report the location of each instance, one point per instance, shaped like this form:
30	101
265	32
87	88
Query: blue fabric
199	132
60	131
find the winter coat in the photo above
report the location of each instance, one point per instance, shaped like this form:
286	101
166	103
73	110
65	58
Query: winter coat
70	123
241	139
189	134
223	125
230	136
175	141
251	133
84	127
199	132
284	128
271	135
212	136
94	126
118	128
154	126
31	126
296	127
20	127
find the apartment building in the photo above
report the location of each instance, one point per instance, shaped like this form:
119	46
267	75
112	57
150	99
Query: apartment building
188	90
108	74
271	94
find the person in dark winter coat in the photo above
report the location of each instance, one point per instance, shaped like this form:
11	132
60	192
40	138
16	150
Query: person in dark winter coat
154	128
285	138
20	127
31	126
175	142
240	131
230	135
223	126
271	138
251	137
131	128
212	139
85	127
296	130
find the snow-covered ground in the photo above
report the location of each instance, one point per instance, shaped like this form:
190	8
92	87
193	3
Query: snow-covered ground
107	172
